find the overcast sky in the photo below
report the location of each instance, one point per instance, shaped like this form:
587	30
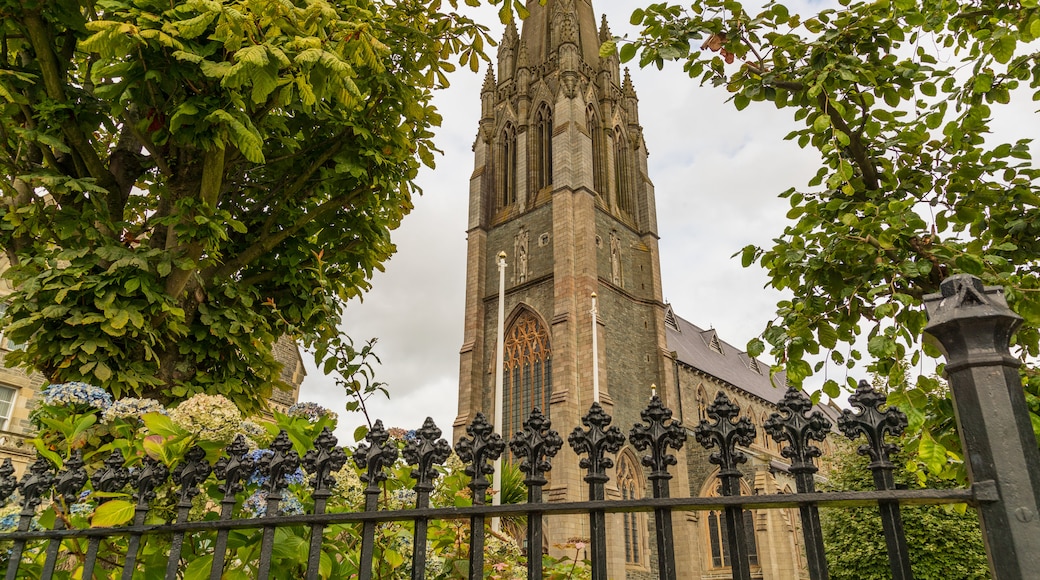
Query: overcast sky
716	171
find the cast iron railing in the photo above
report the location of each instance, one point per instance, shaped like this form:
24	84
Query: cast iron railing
972	323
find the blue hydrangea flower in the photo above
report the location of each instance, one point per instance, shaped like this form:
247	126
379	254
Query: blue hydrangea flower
77	393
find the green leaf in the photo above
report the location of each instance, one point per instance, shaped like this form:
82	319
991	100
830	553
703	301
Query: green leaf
114	512
199	568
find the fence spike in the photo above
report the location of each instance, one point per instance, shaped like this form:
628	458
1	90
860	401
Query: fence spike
424	451
798	425
595	443
873	423
536	445
374	457
482	447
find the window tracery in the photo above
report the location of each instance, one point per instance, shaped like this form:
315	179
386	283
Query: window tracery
629	483
543	146
507	157
527	377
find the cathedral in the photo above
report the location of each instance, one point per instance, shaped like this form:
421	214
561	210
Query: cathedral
560	186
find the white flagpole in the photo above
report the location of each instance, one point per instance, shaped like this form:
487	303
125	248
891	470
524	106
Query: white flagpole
595	354
496	483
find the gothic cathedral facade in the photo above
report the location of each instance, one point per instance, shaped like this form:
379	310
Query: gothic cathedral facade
560	185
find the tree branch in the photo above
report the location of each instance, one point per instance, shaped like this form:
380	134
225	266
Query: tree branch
855	148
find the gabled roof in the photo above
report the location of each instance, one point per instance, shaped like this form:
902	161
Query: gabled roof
700	349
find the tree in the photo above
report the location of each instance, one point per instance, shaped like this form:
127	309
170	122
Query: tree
945	543
897	97
186	182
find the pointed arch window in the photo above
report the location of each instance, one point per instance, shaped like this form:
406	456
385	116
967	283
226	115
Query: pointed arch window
507	177
635	530
622	172
543	125
528	371
718	536
599	181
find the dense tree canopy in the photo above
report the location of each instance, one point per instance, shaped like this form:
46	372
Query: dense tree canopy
185	182
898	98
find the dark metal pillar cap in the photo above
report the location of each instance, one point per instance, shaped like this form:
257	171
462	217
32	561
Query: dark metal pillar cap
961	298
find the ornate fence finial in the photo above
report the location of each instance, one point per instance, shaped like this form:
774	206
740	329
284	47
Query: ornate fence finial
536	445
8	482
595	443
478	451
374	457
113	476
71	479
190	473
146	478
726	433
282	461
873	423
324	460
234	467
798	424
35	484
424	451
659	433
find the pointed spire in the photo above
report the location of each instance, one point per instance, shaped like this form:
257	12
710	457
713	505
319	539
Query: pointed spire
511	34
489	80
626	86
604	30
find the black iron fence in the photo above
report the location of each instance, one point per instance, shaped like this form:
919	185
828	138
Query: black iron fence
972	323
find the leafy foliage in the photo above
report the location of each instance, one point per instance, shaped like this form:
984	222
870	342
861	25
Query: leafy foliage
945	543
898	99
185	183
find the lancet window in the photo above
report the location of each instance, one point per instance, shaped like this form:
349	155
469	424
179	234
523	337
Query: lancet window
599	181
543	125
718	537
634	523
528	371
507	177
622	172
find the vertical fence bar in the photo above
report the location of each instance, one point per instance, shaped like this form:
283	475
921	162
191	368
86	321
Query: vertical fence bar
424	451
535	446
374	457
974	326
595	443
660	433
67	486
726	432
321	462
109	479
798	424
874	423
479	450
189	474
146	478
34	485
231	468
275	466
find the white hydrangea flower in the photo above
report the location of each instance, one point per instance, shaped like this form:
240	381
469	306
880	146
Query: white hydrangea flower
210	417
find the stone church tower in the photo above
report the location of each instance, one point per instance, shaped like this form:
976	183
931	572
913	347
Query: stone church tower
560	185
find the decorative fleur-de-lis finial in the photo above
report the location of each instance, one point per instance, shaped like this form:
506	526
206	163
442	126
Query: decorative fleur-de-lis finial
659	433
478	451
873	423
282	461
424	451
190	473
35	483
8	482
234	467
147	477
375	456
595	443
798	424
324	460
726	432
537	444
71	479
113	476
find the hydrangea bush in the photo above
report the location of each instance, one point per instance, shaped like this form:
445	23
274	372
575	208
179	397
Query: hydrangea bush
79	417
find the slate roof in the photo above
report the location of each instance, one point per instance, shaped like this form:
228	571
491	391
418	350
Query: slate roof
695	347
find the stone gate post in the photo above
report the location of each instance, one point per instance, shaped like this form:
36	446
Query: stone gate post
974	326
